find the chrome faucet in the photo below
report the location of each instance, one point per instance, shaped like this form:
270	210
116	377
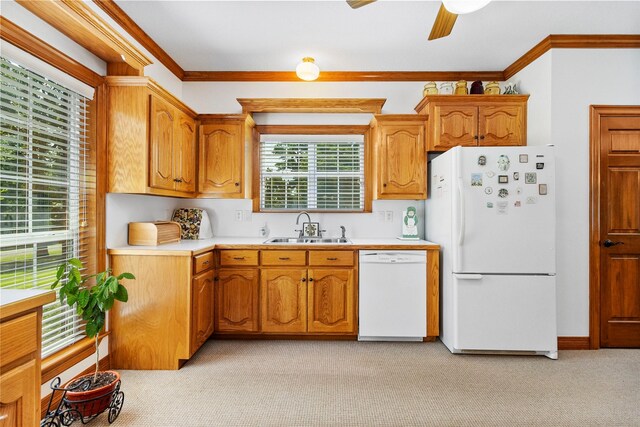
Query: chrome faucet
298	221
344	230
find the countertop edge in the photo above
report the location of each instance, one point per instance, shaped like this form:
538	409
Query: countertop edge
20	305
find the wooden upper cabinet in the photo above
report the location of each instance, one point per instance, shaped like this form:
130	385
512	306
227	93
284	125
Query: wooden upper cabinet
472	120
399	159
150	139
283	300
225	156
331	300
185	155
161	144
236	300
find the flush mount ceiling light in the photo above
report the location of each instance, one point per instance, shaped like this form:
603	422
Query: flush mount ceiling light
307	69
460	7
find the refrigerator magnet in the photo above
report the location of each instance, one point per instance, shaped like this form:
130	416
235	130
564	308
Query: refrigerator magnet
517	204
531	200
542	189
503	193
524	158
503	162
540	165
502	208
519	190
516	176
482	160
503	179
491	174
476	180
530	178
490	204
488	190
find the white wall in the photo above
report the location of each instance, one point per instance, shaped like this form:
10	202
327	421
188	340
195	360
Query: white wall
125	208
566	82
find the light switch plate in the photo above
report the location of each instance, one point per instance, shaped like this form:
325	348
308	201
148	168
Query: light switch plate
388	216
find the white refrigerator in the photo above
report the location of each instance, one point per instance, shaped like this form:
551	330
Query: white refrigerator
492	210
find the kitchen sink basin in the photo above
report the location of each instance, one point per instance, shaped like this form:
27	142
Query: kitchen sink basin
309	240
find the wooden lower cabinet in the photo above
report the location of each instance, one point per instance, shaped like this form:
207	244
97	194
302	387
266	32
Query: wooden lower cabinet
203	309
237	300
331	300
283	299
20	396
169	313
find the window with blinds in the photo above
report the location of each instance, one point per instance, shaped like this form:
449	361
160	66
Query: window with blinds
47	183
312	172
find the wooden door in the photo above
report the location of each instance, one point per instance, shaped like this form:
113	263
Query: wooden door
501	125
401	172
236	300
202	309
454	125
331	300
620	231
283	299
221	159
161	134
184	156
20	396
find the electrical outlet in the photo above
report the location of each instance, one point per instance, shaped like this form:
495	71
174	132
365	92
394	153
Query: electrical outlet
246	216
388	216
238	216
381	216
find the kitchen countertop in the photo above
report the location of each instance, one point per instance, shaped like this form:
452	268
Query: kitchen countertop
14	301
194	247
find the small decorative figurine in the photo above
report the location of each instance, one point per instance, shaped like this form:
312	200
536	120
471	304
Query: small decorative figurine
410	223
492	88
446	88
430	89
476	88
510	89
461	88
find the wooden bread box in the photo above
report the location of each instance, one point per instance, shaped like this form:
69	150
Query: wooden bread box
153	233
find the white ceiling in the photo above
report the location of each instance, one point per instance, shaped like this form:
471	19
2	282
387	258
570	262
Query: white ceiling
383	36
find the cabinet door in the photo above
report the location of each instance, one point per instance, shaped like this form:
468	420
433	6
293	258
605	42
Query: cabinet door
501	125
401	162
202	309
20	396
221	159
236	300
454	125
184	156
331	301
283	299
161	134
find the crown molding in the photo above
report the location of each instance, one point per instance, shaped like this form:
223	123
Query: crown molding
340	76
82	25
572	41
311	105
17	36
130	26
312	129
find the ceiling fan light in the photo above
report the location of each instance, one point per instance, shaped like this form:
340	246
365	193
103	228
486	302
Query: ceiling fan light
307	69
460	7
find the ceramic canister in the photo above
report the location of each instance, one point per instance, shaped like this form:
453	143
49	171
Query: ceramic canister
476	88
430	89
446	88
492	88
461	88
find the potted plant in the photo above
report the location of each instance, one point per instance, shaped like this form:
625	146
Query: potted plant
93	299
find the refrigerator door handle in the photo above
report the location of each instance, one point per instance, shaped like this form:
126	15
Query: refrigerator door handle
467	276
461	213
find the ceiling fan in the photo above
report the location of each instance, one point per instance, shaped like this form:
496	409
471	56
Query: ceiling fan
447	15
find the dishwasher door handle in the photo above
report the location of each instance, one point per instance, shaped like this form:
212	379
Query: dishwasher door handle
467	276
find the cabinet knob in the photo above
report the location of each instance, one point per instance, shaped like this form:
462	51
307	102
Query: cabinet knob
239	258
475	137
284	258
311	279
482	137
304	280
237	184
384	185
205	262
332	259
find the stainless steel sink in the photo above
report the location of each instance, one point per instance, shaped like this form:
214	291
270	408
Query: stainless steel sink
309	240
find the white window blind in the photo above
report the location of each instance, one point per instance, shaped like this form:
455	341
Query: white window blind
46	179
312	172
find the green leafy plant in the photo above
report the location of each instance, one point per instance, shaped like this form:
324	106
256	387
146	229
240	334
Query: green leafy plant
92	300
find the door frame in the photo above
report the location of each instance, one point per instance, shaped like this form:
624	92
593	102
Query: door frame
596	114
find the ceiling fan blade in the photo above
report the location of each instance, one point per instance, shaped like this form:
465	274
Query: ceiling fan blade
443	24
359	3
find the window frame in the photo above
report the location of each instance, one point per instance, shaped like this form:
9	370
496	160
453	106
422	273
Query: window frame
364	130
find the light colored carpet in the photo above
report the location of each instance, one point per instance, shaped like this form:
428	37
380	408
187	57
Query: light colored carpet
325	383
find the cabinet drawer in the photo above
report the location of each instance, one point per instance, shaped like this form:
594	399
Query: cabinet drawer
233	257
19	338
283	258
330	257
202	262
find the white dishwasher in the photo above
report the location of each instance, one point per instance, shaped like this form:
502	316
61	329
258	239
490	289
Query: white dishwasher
392	296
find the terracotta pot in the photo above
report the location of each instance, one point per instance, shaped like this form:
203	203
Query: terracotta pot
91	402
